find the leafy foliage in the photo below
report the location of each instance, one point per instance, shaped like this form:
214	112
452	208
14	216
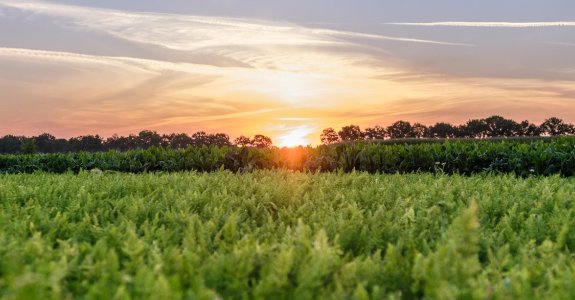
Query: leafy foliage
285	235
523	157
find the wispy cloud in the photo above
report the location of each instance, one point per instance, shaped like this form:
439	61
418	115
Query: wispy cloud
284	79
106	95
491	24
187	32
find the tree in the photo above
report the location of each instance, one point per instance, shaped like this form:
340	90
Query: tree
11	144
200	138
45	143
498	126
442	130
529	129
555	126
419	130
178	141
149	138
91	143
375	133
121	143
350	133
219	139
476	128
329	136
28	146
243	141
261	141
400	129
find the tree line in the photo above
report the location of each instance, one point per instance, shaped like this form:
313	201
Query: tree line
494	126
47	143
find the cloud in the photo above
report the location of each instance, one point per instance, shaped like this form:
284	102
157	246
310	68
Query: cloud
491	24
186	32
286	80
105	95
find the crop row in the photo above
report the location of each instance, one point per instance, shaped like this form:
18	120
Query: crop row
521	157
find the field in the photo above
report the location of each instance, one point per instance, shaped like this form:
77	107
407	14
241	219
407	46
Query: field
286	235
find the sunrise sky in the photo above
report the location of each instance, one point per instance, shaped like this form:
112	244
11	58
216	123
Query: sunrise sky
286	69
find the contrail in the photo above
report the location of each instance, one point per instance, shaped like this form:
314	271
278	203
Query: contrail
382	37
491	24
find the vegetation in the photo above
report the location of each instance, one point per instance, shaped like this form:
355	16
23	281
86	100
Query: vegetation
491	127
47	143
283	235
520	156
235	231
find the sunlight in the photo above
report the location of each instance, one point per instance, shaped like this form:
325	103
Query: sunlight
291	88
296	137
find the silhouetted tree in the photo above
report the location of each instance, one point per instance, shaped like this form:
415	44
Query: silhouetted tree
329	136
498	126
555	126
494	126
419	130
178	140
400	129
243	141
61	146
219	139
529	129
121	143
200	138
476	128
45	143
90	143
11	144
149	138
375	133
442	130
350	133
261	141
28	146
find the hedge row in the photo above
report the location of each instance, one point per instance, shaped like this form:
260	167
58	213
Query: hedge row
529	157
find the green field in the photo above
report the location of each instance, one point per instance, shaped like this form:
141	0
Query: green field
284	235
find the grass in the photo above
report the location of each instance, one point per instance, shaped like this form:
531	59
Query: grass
285	235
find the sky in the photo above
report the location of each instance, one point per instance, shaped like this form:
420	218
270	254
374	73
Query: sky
286	69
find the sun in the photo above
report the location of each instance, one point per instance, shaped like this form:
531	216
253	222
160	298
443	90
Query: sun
295	137
289	88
